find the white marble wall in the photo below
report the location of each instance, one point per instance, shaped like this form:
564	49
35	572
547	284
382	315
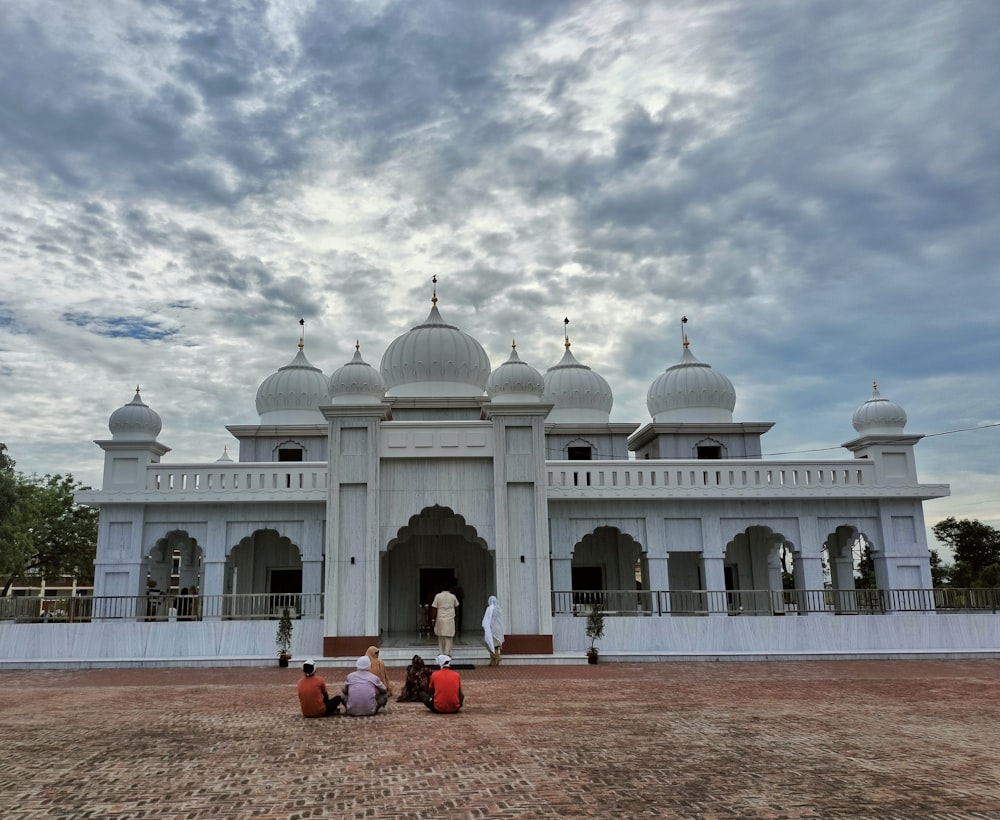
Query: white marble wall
135	641
792	635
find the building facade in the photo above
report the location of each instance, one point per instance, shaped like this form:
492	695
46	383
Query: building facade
358	496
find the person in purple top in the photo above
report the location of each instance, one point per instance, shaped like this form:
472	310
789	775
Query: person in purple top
364	693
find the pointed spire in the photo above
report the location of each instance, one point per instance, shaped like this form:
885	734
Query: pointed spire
434	298
566	332
684	338
302	333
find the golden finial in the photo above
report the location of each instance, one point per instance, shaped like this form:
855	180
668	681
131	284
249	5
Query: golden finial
302	334
513	344
434	298
566	332
684	337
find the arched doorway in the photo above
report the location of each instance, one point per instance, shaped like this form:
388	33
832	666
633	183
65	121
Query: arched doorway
266	569
759	566
435	550
613	563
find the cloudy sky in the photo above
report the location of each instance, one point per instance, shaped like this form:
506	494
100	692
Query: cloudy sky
816	185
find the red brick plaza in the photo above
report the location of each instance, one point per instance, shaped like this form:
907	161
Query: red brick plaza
858	739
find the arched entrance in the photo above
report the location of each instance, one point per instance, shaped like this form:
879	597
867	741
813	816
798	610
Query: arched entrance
758	562
614	563
435	550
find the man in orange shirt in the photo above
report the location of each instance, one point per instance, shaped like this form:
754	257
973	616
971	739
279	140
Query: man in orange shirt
313	697
445	688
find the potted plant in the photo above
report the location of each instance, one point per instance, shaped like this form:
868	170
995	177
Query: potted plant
594	630
284	638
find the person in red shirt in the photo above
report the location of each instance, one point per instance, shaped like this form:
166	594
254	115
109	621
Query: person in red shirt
313	696
446	694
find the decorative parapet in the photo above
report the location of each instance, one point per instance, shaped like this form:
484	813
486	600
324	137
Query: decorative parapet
751	478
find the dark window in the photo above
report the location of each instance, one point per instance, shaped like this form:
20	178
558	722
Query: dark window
578	453
289	455
709	451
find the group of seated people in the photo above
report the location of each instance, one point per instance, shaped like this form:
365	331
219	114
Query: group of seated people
367	689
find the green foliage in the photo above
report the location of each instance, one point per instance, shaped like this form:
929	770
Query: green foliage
283	638
864	572
940	572
595	624
44	533
976	547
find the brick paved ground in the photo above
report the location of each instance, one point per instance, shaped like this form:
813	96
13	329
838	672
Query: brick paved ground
872	739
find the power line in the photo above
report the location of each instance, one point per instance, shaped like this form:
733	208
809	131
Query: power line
888	441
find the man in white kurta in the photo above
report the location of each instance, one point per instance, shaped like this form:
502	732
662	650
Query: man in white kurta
443	609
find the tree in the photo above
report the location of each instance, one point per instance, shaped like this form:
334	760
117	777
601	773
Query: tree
940	572
864	565
976	547
44	533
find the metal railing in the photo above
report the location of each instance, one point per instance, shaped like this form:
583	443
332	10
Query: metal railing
774	602
164	607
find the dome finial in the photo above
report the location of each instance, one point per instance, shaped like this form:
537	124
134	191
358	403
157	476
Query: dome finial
874	385
566	332
434	297
684	337
513	344
137	390
302	334
357	345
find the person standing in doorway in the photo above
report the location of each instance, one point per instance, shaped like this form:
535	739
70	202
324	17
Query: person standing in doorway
443	609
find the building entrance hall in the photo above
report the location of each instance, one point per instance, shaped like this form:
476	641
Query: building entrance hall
436	551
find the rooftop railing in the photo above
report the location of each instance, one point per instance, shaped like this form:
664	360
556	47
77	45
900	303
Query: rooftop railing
680	474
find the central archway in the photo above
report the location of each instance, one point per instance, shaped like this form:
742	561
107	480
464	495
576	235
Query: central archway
436	548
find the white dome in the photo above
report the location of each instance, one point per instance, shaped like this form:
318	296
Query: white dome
135	421
879	416
435	359
515	381
356	382
579	394
691	391
293	394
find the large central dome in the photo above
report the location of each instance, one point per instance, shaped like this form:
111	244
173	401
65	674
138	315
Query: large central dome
435	359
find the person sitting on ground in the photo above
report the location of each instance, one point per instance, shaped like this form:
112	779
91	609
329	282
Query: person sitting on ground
314	699
364	693
418	680
445	692
378	668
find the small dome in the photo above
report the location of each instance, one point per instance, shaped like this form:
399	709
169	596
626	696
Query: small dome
225	454
435	359
135	421
691	391
579	394
356	382
879	416
515	381
293	394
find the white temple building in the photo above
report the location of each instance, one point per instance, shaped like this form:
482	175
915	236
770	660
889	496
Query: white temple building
356	497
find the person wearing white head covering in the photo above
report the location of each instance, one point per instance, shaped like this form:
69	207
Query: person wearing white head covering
493	630
313	697
445	690
364	693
